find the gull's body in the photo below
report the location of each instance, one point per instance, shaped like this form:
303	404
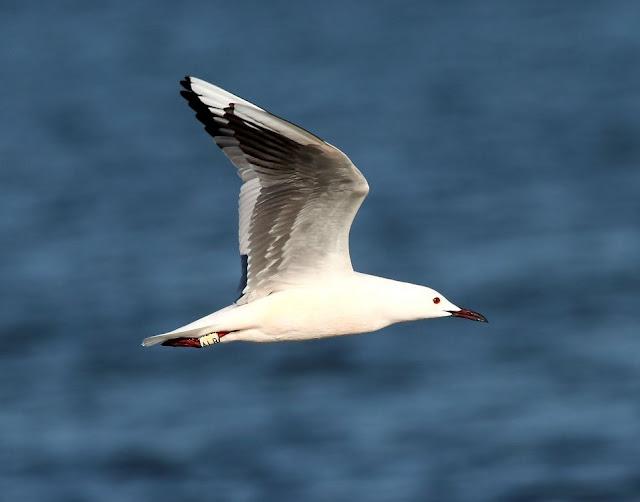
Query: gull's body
297	202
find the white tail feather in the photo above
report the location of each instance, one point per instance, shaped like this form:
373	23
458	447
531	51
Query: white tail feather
189	333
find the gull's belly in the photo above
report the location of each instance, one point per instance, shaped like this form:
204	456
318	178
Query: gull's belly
303	313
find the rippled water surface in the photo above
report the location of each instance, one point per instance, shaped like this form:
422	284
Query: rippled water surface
501	142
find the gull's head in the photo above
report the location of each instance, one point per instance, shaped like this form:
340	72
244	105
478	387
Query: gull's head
439	306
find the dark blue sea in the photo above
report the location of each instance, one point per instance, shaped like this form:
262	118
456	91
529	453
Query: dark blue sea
501	141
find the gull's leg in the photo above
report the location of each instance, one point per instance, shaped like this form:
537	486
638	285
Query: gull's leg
196	343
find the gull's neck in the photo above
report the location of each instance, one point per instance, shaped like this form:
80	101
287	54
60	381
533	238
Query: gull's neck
399	301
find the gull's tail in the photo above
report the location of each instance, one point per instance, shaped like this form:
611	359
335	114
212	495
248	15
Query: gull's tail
189	333
196	329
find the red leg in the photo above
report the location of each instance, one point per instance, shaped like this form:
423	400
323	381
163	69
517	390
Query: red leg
188	342
183	342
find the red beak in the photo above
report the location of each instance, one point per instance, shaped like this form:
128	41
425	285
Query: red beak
468	314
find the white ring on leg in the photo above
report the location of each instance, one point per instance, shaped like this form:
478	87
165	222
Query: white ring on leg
210	339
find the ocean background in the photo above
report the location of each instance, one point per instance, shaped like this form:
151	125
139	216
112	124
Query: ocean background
501	141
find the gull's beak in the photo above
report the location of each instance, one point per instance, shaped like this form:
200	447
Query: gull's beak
468	314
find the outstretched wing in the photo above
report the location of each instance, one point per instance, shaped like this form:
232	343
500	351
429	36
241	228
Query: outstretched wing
298	197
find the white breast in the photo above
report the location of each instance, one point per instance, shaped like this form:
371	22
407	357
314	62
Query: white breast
356	303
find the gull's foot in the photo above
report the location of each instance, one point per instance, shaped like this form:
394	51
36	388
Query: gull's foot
196	343
183	342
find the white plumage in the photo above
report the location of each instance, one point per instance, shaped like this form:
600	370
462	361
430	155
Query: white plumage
298	198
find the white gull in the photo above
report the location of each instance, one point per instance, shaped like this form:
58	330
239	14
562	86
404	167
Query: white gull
298	198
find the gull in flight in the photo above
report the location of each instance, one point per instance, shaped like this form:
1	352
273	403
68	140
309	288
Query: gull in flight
298	198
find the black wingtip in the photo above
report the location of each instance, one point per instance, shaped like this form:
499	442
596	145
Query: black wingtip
186	82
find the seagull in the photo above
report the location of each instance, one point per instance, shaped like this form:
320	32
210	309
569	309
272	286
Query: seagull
298	198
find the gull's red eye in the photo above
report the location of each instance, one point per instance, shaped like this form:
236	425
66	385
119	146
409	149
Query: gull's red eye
436	300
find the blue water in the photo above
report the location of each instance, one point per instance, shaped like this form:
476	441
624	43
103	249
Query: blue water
501	142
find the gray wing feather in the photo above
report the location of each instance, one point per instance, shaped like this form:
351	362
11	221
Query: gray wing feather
299	194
